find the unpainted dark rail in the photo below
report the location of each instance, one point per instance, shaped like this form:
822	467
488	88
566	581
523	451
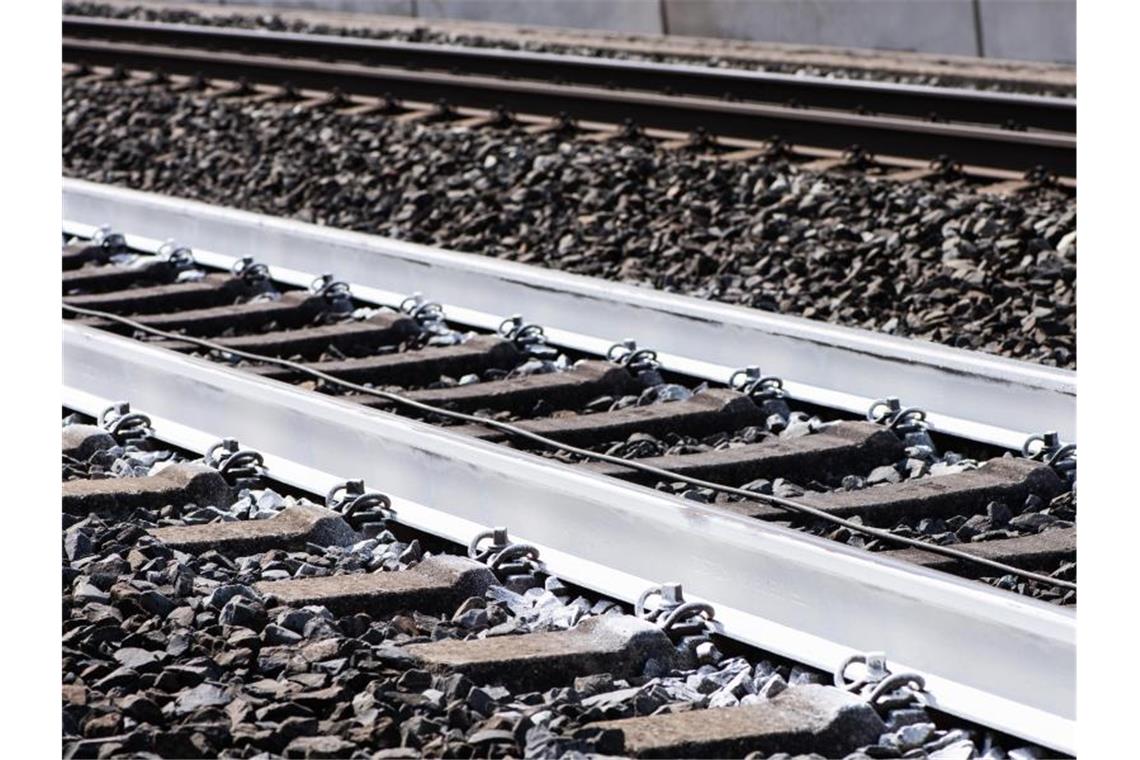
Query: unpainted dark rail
887	135
883	98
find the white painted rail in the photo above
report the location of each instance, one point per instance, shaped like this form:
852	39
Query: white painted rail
976	396
987	655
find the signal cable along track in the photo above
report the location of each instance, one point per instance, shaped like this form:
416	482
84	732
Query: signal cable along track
828	128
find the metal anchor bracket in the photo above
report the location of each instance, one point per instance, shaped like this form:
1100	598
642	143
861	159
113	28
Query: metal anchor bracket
881	688
767	391
689	624
109	240
124	425
1048	448
528	337
255	276
357	504
250	270
641	362
516	564
336	293
672	612
241	467
909	423
429	317
421	310
179	257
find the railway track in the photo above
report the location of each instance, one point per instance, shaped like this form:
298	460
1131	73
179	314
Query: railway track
973	396
346	631
642	420
936	103
824	114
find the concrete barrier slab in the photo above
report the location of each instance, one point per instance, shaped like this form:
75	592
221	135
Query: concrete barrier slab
640	16
387	7
931	26
1036	30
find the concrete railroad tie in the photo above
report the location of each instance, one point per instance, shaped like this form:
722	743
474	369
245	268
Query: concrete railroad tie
708	412
617	644
179	483
1040	551
351	338
586	381
801	719
81	441
291	310
211	290
439	583
832	452
412	367
1007	479
154	271
290	529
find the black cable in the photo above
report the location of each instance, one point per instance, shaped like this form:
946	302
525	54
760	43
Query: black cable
513	430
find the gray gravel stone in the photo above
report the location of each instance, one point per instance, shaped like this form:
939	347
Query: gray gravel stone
240	611
960	750
1031	522
202	695
137	659
884	474
908	737
156	603
773	686
88	592
223	594
76	544
318	747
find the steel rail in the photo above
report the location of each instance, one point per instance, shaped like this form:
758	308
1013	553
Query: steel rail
976	396
888	135
796	595
952	104
522	434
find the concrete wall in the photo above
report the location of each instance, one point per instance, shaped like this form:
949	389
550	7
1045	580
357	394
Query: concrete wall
386	7
636	16
1042	30
935	26
1029	29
